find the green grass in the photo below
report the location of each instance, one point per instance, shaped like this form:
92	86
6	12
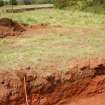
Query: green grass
17	52
59	17
56	47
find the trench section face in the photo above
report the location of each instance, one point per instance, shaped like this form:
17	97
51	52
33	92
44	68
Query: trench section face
82	79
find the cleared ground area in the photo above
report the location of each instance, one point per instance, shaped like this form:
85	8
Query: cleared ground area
52	57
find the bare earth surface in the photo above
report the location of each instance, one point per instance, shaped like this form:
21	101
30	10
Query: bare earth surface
95	100
81	83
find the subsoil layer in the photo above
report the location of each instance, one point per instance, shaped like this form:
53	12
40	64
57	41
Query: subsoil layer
82	83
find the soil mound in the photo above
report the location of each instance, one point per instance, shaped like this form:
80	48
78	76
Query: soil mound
8	27
85	78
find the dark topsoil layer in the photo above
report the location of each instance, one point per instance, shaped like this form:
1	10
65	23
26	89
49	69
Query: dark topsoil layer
83	78
9	27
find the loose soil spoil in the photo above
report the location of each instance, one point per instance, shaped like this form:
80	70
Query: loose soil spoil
83	79
9	27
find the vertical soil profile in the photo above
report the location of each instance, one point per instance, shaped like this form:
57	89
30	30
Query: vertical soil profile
80	84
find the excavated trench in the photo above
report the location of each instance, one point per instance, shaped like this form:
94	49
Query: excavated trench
83	79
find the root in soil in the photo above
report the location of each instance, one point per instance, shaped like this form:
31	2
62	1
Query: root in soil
25	91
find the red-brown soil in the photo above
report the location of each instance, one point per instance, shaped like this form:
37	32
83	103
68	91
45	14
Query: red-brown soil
80	84
9	27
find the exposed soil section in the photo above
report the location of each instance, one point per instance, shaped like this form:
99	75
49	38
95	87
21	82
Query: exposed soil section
83	79
9	27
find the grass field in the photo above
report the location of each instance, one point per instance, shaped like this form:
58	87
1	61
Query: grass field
60	17
53	46
58	48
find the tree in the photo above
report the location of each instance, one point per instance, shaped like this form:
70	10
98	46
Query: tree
13	2
1	2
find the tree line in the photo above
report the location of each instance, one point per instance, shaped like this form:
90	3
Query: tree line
26	2
78	3
58	3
